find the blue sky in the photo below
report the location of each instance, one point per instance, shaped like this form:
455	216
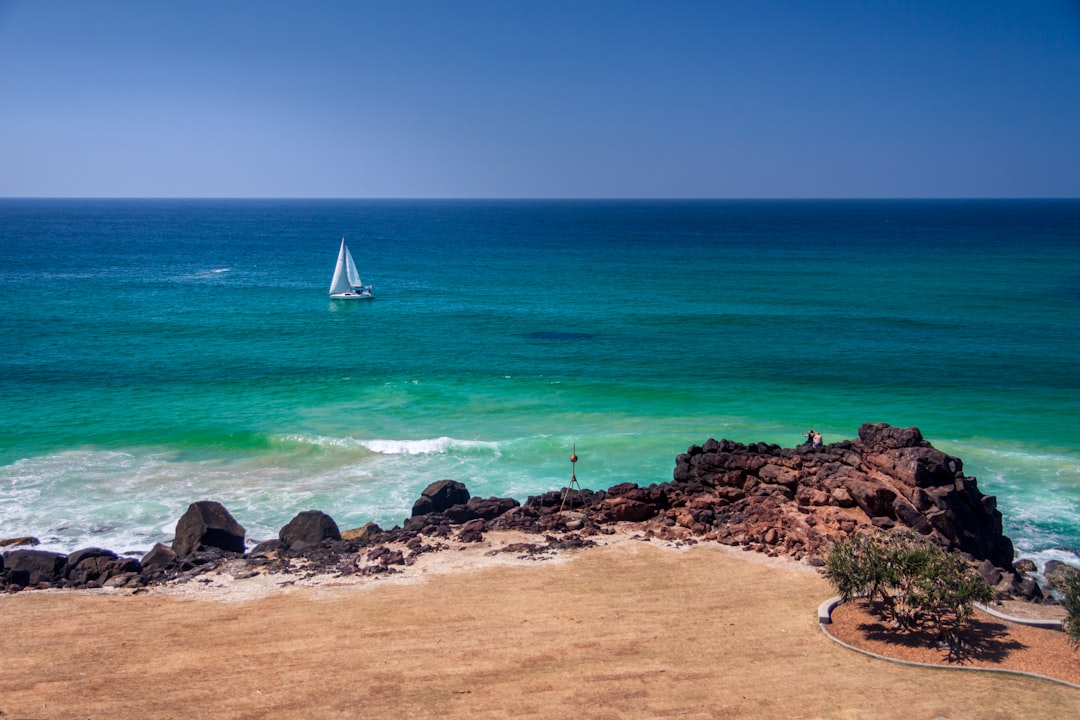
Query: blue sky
547	98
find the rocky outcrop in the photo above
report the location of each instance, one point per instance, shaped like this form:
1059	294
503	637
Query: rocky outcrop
780	501
809	496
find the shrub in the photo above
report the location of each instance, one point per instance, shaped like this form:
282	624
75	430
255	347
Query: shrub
911	581
946	590
1071	602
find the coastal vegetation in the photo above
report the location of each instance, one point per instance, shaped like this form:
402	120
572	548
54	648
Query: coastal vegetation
1071	602
910	582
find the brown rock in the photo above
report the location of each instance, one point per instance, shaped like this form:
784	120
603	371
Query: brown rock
24	541
472	531
1058	573
887	477
873	497
1026	566
367	532
160	556
622	509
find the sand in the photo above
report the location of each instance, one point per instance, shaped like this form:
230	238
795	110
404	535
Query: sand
633	629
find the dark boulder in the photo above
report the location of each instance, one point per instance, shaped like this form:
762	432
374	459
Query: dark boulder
310	527
490	508
96	565
207	523
32	567
523	518
440	496
160	556
887	437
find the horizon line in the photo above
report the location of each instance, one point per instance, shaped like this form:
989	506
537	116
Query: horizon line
538	198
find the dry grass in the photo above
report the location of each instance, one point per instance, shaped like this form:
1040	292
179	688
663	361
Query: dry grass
627	631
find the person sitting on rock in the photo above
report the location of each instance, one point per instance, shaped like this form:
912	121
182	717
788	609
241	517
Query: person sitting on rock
809	435
817	439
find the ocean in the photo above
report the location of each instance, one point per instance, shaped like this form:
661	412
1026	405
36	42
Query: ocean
158	352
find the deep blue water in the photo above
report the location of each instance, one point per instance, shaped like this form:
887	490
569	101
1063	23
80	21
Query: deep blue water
158	352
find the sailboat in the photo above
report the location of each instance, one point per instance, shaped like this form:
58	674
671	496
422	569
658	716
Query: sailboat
346	284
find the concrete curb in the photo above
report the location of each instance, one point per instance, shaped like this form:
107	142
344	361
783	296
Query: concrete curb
825	611
1048	624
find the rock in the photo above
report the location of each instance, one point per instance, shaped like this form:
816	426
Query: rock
490	508
989	573
266	549
875	498
24	541
311	527
472	531
906	513
440	496
523	518
160	556
97	565
364	534
207	523
624	509
1058	573
1025	566
842	497
29	568
889	437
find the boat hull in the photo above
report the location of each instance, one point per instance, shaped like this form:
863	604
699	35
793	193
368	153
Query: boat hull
352	296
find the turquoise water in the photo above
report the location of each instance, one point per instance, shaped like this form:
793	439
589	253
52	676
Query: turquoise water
159	352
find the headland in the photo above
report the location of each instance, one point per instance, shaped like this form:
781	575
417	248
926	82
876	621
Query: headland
693	598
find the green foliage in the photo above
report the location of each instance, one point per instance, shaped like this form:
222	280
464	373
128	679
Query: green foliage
946	591
1071	601
913	583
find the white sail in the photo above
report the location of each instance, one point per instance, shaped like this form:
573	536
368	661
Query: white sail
350	269
340	283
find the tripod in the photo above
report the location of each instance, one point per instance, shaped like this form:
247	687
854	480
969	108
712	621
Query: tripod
573	480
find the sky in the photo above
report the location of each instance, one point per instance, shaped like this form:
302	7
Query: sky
540	98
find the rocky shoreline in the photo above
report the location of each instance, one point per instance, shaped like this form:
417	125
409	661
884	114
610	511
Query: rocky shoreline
783	502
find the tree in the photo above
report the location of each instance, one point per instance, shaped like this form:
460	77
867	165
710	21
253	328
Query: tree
912	582
946	590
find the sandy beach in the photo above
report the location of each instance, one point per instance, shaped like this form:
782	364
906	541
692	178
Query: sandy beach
631	629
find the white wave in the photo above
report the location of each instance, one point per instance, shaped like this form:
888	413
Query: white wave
320	440
435	446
